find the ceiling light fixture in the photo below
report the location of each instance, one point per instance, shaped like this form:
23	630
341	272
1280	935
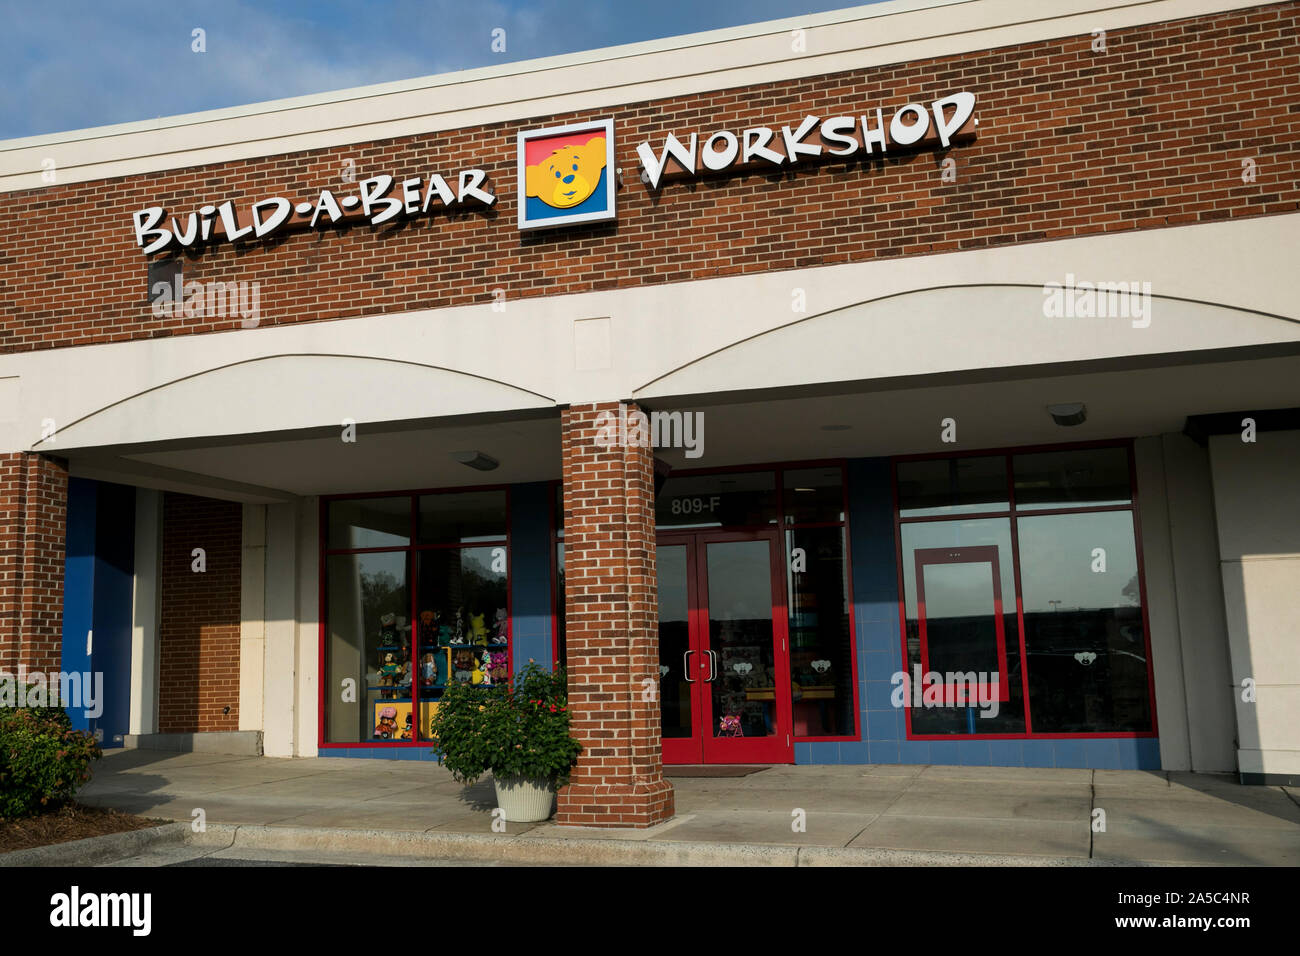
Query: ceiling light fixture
476	460
1071	413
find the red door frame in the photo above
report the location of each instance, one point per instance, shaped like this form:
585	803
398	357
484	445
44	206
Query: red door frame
703	746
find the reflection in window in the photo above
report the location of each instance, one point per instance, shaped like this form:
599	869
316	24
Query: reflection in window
952	486
1073	478
960	622
368	642
1083	623
370	523
1085	661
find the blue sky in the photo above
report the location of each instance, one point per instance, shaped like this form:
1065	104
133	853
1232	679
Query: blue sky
69	65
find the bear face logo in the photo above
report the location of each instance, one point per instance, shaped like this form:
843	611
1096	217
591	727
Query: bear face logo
565	175
569	175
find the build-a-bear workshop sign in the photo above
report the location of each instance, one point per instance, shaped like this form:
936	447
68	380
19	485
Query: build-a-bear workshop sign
565	173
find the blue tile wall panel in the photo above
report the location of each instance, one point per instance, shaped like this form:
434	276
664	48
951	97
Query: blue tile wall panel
530	576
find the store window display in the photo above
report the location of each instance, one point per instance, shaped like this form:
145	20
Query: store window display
417	596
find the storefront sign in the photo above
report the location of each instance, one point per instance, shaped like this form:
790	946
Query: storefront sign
566	175
371	203
814	139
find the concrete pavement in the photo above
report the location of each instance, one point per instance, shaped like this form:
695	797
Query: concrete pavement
898	813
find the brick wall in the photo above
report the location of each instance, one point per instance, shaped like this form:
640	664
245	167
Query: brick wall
611	633
199	631
33	531
1151	133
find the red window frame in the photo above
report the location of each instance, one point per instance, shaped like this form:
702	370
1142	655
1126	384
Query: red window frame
1009	452
978	554
411	550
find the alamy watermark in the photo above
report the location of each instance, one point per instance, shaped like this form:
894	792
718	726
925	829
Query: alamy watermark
1080	299
636	429
947	689
213	300
82	690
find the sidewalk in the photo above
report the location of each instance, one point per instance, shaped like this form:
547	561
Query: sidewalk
935	814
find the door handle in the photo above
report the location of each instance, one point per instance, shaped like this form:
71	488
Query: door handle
686	666
713	665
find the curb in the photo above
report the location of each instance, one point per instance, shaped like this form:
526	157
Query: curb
508	849
91	850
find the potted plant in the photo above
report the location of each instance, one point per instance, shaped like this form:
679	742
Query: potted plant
518	731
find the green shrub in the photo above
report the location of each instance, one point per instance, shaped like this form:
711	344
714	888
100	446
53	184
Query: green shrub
515	729
43	761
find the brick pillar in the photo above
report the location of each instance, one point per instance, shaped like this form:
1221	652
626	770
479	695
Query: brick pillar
33	526
611	620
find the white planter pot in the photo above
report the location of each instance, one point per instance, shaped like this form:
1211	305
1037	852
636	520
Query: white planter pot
523	799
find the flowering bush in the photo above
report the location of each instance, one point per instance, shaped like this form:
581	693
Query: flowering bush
43	761
514	729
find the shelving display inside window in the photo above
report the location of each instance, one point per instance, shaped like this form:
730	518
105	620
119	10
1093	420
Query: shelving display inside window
403	622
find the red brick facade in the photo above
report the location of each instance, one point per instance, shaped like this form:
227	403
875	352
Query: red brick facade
1150	133
199	631
33	531
611	613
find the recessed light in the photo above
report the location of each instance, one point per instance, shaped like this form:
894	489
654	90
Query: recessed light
836	428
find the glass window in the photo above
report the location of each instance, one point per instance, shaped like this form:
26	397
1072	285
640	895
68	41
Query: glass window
560	620
561	648
400	648
1083	623
368	643
674	642
464	623
952	486
813	495
1074	478
463	518
370	523
821	650
956	601
739	499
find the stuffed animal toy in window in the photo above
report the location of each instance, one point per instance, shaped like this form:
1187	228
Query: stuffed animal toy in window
502	623
428	669
428	628
387	725
463	665
388	631
406	731
482	672
478	630
390	672
445	635
729	726
458	633
499	667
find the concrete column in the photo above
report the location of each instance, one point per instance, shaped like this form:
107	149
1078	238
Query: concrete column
611	612
145	612
280	659
1257	507
1207	674
252	618
1162	606
307	732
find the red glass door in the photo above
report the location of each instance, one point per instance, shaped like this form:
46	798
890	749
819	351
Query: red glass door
724	652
